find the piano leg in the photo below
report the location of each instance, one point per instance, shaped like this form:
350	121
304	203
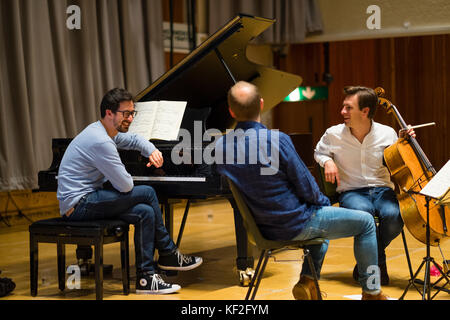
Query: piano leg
244	261
183	222
167	210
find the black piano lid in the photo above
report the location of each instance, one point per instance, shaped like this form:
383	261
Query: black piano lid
202	80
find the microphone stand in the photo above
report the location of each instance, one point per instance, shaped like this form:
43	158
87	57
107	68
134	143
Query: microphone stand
4	219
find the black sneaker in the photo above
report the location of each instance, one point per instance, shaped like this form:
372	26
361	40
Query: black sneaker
179	261
154	284
6	286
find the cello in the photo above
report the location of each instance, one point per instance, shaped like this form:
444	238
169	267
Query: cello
411	170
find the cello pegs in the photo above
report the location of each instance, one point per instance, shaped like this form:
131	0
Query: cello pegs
379	91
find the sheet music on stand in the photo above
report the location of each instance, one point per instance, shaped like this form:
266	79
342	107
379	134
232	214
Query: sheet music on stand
439	187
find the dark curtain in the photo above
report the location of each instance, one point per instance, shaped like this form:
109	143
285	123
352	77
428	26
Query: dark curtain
294	18
52	78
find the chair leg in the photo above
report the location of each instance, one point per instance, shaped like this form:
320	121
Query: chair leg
255	275
265	254
408	259
407	253
307	254
34	262
125	260
99	269
61	258
261	272
378	235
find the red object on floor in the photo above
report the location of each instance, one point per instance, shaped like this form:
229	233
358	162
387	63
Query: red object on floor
435	272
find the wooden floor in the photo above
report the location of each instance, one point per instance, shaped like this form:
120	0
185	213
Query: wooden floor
210	233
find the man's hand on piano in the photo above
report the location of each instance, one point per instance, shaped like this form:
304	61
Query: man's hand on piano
155	159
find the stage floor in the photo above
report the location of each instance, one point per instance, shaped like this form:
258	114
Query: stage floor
209	233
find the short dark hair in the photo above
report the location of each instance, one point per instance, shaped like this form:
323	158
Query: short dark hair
367	98
245	109
112	99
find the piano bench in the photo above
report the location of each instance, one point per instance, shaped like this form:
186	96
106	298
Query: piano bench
96	233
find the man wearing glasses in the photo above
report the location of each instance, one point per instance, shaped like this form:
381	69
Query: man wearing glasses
91	159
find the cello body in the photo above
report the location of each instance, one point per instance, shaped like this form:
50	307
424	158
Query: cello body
410	177
411	170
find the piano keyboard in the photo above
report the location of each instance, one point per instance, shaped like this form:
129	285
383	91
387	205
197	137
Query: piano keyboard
169	178
166	178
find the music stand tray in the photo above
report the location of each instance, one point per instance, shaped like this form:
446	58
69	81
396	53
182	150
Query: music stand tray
438	188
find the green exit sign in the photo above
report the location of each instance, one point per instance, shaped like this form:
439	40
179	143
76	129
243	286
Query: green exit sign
308	93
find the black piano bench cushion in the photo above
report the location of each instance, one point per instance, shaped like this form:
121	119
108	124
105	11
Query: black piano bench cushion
110	227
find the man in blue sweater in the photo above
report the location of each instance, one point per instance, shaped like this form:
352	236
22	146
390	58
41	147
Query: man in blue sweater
91	159
284	197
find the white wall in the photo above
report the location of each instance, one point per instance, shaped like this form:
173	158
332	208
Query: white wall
346	19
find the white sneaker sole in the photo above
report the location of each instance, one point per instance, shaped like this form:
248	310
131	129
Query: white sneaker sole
192	266
173	289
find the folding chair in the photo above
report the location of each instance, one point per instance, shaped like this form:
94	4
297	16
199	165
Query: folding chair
268	246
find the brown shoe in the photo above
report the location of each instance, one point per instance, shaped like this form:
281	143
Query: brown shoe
368	296
305	289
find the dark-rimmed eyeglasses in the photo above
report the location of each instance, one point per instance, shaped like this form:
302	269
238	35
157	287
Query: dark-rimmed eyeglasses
127	113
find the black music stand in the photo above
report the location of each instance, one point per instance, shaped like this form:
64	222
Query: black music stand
441	199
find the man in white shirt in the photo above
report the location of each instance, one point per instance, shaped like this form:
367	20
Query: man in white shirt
352	156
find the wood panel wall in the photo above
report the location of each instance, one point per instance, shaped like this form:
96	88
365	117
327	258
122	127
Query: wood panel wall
304	116
414	71
179	16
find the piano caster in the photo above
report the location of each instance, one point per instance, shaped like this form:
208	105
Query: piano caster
246	276
87	267
84	268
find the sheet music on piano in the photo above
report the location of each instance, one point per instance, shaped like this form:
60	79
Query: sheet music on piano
158	119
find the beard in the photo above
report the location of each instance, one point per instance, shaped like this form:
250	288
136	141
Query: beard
123	126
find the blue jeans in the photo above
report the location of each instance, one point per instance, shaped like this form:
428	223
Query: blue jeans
334	223
381	202
139	207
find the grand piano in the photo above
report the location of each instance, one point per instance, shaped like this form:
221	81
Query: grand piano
202	79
